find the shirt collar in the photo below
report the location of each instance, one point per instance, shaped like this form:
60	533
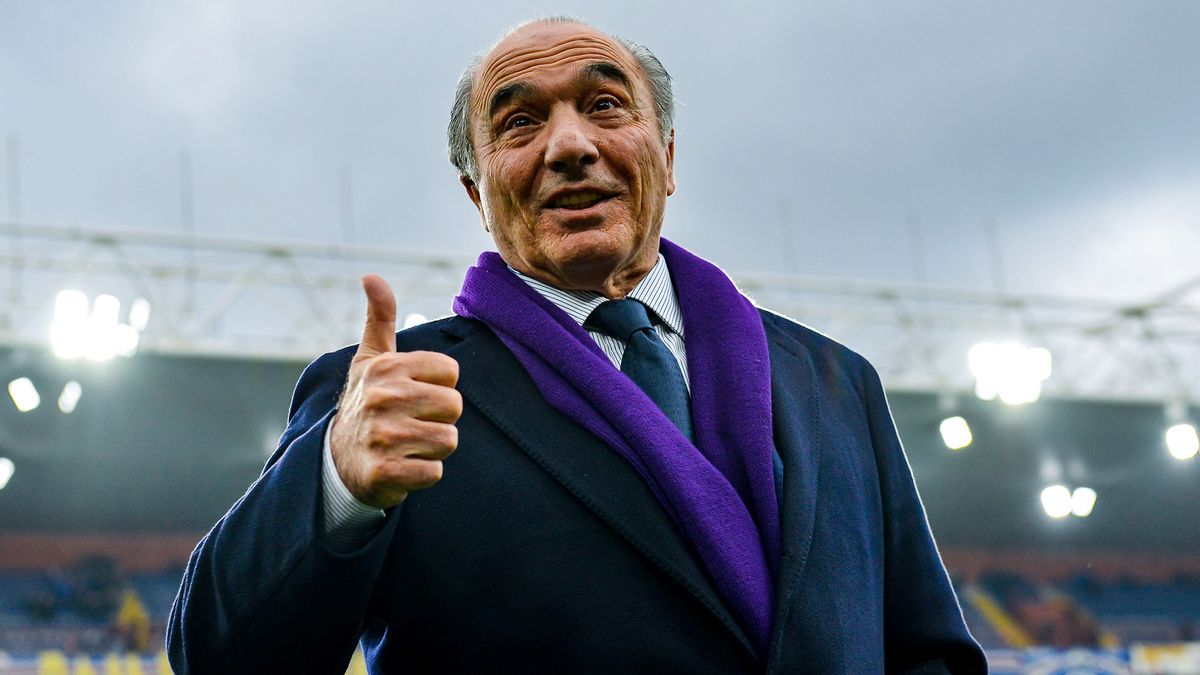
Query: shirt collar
654	290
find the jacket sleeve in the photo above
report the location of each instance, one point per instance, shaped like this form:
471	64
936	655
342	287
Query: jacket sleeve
261	592
924	630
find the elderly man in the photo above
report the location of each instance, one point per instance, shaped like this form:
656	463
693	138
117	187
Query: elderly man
652	475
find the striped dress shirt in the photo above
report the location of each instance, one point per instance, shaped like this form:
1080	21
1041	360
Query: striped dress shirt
654	290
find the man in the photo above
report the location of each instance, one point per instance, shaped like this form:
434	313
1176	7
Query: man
651	474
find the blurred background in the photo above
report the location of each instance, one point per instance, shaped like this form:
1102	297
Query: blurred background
999	205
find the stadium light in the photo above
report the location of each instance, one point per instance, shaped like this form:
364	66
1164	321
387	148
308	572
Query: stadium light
1059	501
1083	500
6	471
106	309
414	319
1009	370
125	339
97	335
24	394
1182	441
956	433
71	306
103	324
68	331
69	398
139	314
1056	500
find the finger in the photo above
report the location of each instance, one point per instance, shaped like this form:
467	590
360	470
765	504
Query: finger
428	367
379	332
418	400
417	474
439	441
435	403
431	367
394	436
408	473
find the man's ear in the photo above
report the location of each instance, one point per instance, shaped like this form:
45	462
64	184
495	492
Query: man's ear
473	192
671	165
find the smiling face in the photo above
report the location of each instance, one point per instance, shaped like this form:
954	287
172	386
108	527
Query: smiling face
573	172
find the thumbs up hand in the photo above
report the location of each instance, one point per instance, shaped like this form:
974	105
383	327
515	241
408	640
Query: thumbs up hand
395	422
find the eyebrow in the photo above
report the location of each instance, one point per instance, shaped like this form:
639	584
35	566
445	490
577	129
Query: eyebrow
602	70
507	93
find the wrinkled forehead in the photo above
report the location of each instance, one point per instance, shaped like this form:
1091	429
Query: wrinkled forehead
534	51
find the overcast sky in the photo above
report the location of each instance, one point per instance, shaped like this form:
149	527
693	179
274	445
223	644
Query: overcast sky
1075	126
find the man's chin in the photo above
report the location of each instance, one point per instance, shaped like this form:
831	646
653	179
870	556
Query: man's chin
591	259
586	271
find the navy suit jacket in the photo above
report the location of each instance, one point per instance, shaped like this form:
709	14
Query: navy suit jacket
541	550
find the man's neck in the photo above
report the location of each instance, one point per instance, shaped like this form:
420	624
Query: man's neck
655	290
611	284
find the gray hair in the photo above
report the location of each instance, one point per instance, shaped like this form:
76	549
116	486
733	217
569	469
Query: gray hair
458	133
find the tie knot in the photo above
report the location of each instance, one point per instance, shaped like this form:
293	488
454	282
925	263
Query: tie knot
619	318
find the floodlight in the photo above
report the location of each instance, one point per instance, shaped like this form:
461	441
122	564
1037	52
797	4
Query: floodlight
139	314
1083	500
100	347
6	471
1056	500
70	307
1021	390
956	433
97	335
124	339
986	389
68	331
69	397
68	341
414	319
1182	441
24	394
1009	370
105	310
980	358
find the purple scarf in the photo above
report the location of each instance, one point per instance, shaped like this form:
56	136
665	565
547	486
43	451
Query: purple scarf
720	492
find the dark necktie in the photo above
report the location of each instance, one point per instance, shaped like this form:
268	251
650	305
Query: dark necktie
647	361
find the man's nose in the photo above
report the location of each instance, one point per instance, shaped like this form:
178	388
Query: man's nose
569	148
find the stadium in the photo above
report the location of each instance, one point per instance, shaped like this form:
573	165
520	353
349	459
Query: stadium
181	242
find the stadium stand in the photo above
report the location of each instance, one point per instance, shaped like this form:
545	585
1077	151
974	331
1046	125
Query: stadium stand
80	613
1134	611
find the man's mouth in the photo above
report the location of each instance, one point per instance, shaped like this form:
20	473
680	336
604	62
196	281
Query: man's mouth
577	201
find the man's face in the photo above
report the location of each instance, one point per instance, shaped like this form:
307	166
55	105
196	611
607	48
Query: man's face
573	173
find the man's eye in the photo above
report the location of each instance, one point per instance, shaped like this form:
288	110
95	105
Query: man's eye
518	121
604	104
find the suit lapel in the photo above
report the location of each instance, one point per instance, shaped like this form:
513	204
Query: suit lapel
796	410
598	477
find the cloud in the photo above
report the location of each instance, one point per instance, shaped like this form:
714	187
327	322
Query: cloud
1130	246
210	60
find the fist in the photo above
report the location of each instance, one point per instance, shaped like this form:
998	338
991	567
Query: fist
395	423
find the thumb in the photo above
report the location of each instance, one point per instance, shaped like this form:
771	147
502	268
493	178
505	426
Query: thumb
379	333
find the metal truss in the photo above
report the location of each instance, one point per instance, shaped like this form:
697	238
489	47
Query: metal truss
242	297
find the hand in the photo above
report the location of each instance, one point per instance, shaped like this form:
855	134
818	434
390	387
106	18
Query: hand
395	422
